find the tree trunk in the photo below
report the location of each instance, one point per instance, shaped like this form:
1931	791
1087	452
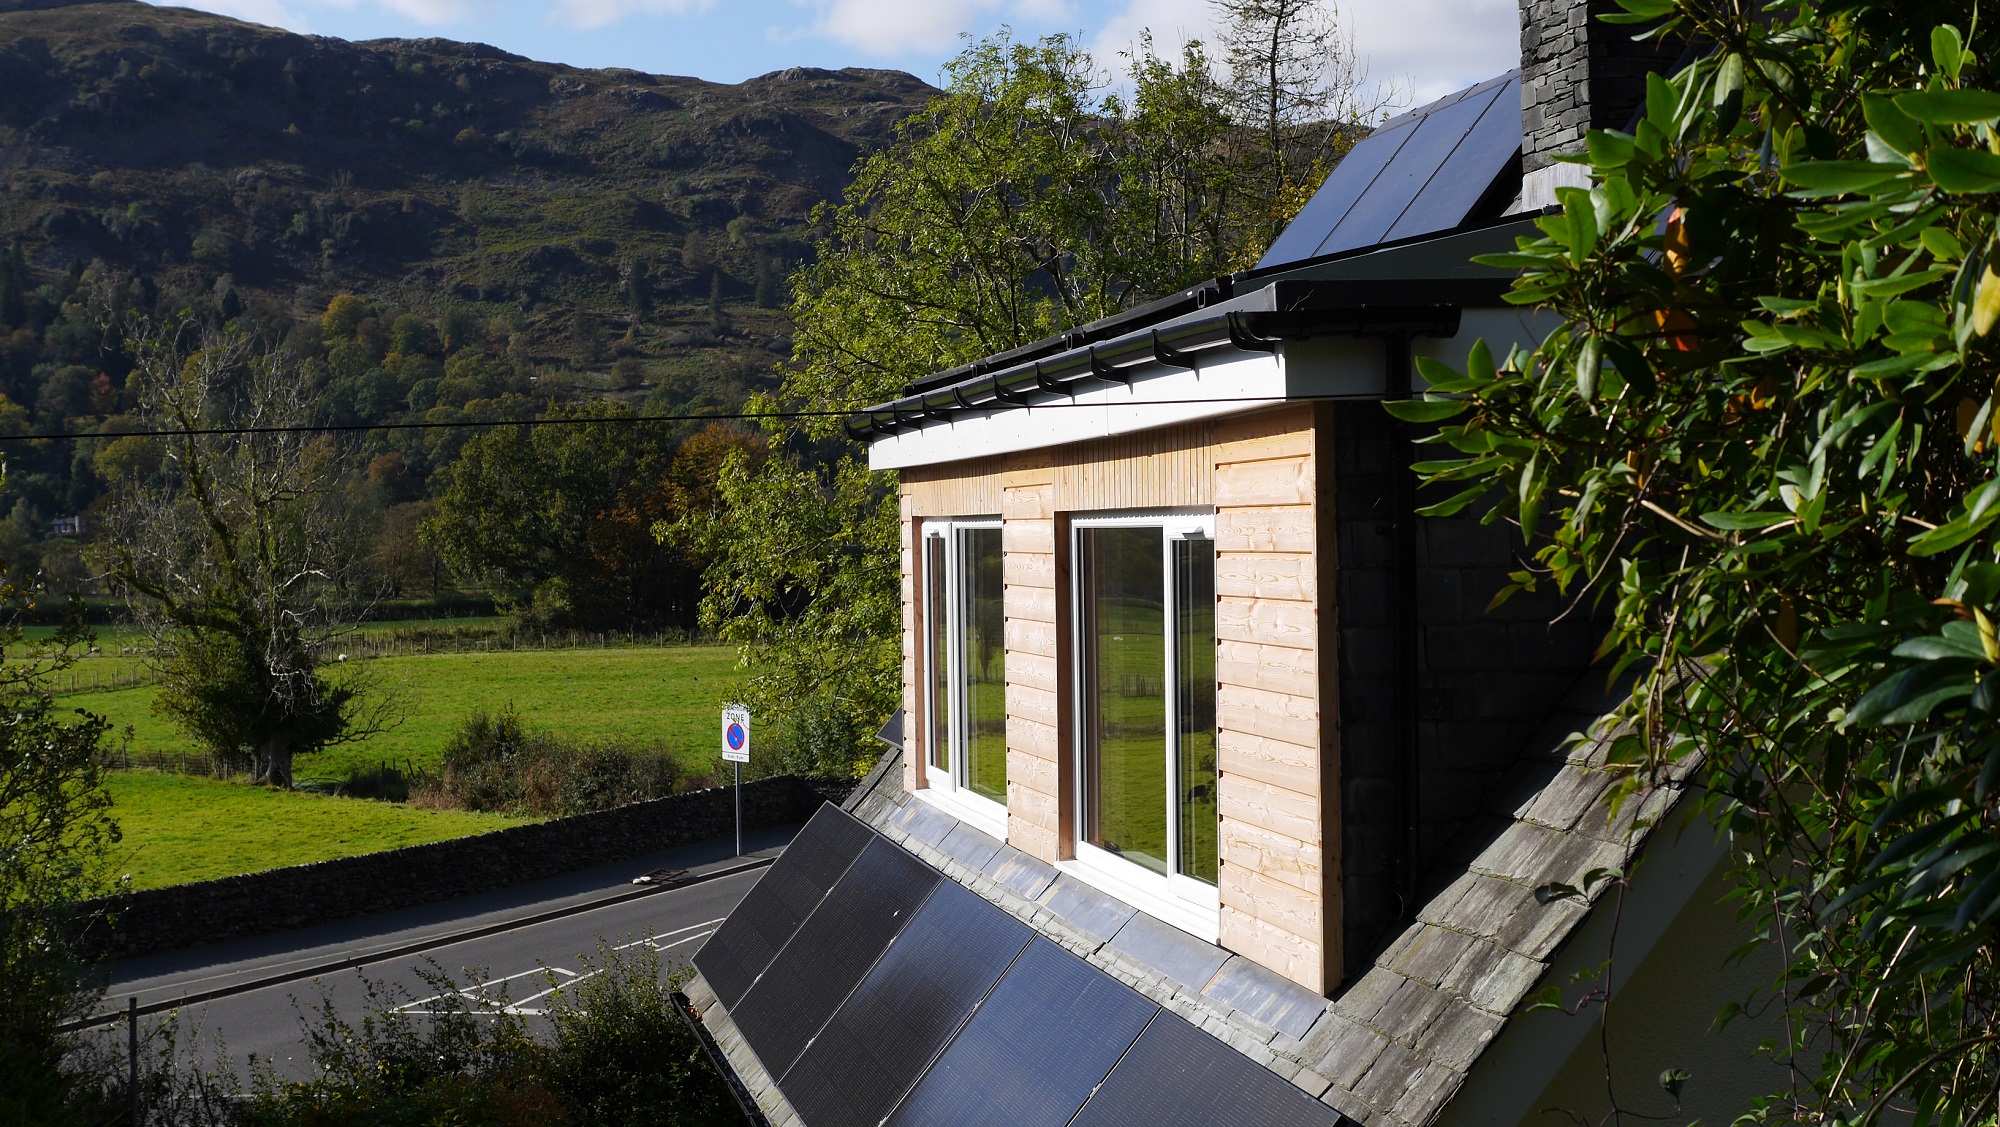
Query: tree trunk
274	762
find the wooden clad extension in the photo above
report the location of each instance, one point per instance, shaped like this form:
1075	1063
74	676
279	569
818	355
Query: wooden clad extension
1268	477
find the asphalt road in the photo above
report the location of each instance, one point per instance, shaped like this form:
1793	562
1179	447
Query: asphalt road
517	966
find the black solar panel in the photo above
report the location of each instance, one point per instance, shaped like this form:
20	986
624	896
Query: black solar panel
1421	158
1487	147
1045	1036
1177	1076
831	951
894	1023
1420	173
1302	237
784	896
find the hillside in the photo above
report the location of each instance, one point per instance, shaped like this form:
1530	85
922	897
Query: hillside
599	212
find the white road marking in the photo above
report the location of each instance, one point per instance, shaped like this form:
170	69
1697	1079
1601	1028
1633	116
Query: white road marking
490	1006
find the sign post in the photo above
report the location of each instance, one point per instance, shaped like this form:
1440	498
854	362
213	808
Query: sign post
736	751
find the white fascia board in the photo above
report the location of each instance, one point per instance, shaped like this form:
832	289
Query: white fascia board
1228	382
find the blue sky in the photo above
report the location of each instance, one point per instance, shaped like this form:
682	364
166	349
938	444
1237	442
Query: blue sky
1426	47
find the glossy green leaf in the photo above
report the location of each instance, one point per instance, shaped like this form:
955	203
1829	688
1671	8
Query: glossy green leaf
1950	107
1842	175
1735	522
1424	410
1947	50
1964	171
1897	129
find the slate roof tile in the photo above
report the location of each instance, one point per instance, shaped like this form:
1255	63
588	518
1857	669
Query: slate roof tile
1352	1052
1428	1092
1562	800
1460	1034
1535	929
1430	954
1265	995
969	847
1502	983
1408	1014
1486	906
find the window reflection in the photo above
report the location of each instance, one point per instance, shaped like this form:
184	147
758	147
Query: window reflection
1125	762
983	683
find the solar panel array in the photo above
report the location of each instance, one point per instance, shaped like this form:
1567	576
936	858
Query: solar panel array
899	997
1418	174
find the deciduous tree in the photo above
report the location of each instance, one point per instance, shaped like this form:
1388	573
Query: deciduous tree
238	555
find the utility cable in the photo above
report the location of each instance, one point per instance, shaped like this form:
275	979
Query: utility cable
734	416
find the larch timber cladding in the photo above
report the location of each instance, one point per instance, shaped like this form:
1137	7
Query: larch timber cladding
1277	748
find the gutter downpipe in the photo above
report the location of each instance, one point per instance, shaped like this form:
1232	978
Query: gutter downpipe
1403	623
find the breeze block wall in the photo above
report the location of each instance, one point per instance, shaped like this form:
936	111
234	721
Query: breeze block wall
185	915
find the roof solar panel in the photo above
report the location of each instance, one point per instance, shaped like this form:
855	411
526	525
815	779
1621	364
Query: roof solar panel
1420	158
831	952
1419	173
1047	1034
784	896
1468	173
1351	177
1177	1076
918	994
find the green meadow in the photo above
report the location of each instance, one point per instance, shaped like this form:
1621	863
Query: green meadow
664	695
180	829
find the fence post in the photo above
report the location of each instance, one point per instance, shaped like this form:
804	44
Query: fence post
132	1056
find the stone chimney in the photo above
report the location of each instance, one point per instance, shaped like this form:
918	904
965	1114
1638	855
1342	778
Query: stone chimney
1577	74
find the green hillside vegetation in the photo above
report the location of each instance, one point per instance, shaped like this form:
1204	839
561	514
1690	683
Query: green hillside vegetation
435	232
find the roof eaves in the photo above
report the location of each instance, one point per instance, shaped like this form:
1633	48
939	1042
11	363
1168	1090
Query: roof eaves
1252	322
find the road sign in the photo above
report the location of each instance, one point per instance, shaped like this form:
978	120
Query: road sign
736	734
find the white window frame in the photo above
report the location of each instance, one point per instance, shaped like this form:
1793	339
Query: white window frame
1192	905
947	789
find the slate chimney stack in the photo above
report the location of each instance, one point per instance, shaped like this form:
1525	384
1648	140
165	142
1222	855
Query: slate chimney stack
1577	73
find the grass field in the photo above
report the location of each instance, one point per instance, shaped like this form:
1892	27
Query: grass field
181	829
669	695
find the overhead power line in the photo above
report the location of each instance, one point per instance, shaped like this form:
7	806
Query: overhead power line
735	416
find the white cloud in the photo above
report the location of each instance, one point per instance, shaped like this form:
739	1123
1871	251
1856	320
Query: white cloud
597	13
1172	22
894	28
1424	48
1433	47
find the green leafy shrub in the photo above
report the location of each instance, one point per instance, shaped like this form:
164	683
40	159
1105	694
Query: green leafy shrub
616	1055
499	764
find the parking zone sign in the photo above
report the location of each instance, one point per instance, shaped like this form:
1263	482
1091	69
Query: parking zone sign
736	734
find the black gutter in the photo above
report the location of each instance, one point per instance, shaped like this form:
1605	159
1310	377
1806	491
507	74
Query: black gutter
1290	310
1193	299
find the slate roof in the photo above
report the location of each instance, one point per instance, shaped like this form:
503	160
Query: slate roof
1395	1043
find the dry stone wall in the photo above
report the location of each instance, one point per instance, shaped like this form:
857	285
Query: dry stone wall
166	919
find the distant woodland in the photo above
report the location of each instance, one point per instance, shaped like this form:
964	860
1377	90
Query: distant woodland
432	230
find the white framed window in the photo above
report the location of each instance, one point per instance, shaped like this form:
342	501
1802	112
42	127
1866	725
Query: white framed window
965	674
1144	621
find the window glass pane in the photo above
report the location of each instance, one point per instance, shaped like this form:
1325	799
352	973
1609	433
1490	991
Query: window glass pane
1123	628
1194	651
936	650
985	681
